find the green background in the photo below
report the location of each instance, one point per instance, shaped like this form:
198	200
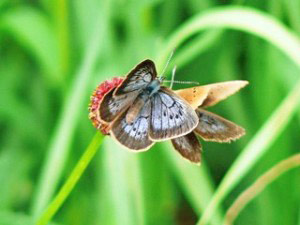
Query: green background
53	54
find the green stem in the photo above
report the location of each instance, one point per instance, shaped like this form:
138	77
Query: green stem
72	180
60	141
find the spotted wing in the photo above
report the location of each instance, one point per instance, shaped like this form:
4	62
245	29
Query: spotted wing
113	106
171	116
188	147
134	136
212	127
138	78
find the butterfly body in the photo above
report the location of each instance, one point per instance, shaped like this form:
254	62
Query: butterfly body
153	87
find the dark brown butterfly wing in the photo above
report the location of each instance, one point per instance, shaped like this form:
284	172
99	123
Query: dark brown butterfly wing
115	103
138	78
188	147
134	136
212	127
171	116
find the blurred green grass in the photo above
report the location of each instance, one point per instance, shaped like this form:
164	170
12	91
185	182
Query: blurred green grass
53	54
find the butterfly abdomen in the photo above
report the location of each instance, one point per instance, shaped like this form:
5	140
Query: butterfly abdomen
102	89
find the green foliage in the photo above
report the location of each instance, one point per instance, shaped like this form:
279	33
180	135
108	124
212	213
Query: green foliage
54	53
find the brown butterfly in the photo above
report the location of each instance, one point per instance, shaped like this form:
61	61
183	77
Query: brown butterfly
139	111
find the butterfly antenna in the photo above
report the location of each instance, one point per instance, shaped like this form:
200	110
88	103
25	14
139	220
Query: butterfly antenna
181	82
168	62
173	76
185	82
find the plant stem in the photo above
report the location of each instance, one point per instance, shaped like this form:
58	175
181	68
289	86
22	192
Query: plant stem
72	180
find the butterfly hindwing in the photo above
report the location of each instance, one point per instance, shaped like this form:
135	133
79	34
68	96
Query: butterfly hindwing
188	147
212	127
171	116
138	78
134	135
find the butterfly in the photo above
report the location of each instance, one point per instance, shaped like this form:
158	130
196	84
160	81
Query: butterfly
140	111
124	108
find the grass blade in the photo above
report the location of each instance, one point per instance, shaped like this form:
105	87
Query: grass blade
239	18
259	185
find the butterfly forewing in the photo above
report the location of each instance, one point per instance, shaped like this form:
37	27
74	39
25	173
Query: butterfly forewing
189	147
112	106
115	103
135	135
212	127
138	78
171	116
